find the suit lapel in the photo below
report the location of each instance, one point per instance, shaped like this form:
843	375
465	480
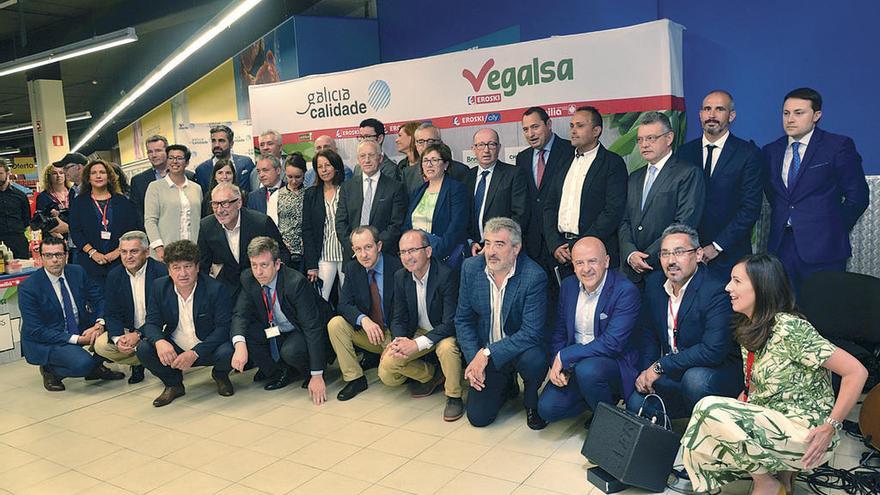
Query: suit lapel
689	296
591	174
635	195
494	184
357	199
58	310
571	314
808	156
727	152
509	295
244	236
378	194
432	284
607	290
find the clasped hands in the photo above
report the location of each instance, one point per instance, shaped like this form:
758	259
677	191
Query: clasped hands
169	357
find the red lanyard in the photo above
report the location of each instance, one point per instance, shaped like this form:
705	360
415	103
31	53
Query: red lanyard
103	211
267	195
750	361
674	327
268	307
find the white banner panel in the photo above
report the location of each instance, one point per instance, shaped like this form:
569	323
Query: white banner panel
197	137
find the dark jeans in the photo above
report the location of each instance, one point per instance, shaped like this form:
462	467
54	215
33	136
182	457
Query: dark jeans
595	380
483	405
680	395
72	360
221	359
292	347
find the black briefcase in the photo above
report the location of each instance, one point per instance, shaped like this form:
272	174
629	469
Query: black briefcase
636	450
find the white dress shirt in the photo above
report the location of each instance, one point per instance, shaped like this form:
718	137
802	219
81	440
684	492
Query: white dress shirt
233	237
496	301
480	171
672	309
185	206
719	145
802	150
585	312
422	302
56	285
570	204
185	333
138	283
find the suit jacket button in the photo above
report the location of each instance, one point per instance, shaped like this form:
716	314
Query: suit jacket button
640	228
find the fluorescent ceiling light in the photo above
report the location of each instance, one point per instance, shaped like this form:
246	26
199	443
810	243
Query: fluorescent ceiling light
26	127
211	30
8	3
65	52
4	115
10	151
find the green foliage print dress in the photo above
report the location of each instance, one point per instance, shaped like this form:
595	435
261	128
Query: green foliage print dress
790	394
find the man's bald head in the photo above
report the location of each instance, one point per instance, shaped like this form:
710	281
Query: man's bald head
590	260
325	142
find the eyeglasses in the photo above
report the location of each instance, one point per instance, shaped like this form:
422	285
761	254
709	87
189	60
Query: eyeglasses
364	156
491	145
403	252
176	159
432	161
421	142
368	137
678	253
223	204
651	139
57	256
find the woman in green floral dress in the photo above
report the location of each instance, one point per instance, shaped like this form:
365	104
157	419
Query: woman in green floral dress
786	418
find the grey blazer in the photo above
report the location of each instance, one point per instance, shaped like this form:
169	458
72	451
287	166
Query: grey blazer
162	212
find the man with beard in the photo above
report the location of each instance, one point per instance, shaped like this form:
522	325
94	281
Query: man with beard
221	146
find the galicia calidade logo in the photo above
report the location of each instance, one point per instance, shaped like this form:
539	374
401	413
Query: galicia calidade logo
379	94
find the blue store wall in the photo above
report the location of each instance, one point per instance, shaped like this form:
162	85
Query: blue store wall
757	50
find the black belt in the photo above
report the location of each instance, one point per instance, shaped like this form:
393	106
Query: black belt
569	236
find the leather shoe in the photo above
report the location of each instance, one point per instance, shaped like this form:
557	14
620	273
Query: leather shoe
259	376
137	375
353	388
168	395
50	381
420	390
369	361
534	420
454	409
104	373
224	386
280	380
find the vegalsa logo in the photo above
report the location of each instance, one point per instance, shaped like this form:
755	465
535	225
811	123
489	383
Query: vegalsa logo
512	78
332	103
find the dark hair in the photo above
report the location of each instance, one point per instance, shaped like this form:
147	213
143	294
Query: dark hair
806	94
221	163
225	129
410	129
263	244
374	232
335	160
537	110
156	138
595	116
773	295
124	188
297	160
187	154
51	240
443	150
183	250
112	179
378	127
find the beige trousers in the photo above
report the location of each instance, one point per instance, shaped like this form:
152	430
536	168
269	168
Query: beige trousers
105	347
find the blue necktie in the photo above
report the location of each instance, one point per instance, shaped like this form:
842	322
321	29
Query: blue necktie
652	174
478	198
69	317
273	342
795	164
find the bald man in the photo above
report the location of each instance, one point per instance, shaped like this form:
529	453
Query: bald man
592	359
323	142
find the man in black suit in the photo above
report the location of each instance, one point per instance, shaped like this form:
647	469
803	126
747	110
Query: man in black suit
498	190
426	135
225	235
425	298
365	307
371	198
277	324
187	325
372	130
735	178
587	196
666	191
125	311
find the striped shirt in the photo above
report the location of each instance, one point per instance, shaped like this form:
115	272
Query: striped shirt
332	250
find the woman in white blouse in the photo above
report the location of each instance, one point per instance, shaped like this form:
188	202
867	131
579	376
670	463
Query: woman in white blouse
172	205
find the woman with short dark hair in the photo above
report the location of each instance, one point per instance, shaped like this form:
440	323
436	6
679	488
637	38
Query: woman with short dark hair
322	251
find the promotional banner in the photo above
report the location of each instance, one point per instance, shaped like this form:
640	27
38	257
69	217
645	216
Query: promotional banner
197	137
623	72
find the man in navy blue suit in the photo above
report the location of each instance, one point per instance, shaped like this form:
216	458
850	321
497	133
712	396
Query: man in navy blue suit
817	190
735	177
222	139
499	323
61	312
271	179
592	359
686	347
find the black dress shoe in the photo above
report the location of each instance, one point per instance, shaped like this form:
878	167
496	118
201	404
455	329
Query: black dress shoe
353	388
168	395
224	386
305	384
259	376
369	361
104	373
51	381
137	375
280	380
534	420
419	390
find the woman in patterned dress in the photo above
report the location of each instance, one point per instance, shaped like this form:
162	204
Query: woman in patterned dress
786	418
285	208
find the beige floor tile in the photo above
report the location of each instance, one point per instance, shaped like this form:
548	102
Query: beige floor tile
477	484
382	490
368	465
149	476
199	453
105	489
280	477
431	422
392	415
489	435
453	453
570	450
331	483
419	477
70	482
157	441
11	458
282	416
506	464
531	490
30	474
91	422
323	453
282	443
241	463
541	443
405	443
320	425
360	433
193	483
351	409
236	489
244	435
71	449
123	460
10	421
563	477
206	424
29	434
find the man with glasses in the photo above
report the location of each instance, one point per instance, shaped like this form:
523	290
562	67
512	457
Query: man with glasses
271	175
686	349
427	135
374	131
498	190
666	191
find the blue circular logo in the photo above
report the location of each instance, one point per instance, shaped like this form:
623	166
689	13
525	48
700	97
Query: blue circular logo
379	94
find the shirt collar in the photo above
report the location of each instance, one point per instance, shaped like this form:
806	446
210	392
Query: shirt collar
592	153
277	185
191	294
424	280
172	184
719	143
490	169
140	273
659	165
805	141
237	225
53	278
667	286
379	266
374	177
598	289
273	282
547	146
510	274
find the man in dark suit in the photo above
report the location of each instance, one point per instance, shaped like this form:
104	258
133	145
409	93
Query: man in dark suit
158	158
372	130
15	213
735	177
593	360
499	322
61	312
588	195
666	191
271	179
187	325
498	189
686	347
425	298
371	198
817	190
277	324
126	308
222	139
365	307
412	177
225	235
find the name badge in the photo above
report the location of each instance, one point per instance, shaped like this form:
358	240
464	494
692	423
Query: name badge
105	235
273	332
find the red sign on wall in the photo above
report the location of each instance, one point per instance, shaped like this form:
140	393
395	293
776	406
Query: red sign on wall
57	140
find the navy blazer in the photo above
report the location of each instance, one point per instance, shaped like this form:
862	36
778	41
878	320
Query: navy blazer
734	195
120	301
449	223
829	195
441	299
43	324
212	313
523	310
244	166
86	228
257	200
705	336
617	313
354	298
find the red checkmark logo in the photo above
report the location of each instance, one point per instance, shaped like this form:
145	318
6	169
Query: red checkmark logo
477	81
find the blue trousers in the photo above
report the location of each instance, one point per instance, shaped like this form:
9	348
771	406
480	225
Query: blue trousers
483	405
798	269
72	360
680	395
595	380
221	360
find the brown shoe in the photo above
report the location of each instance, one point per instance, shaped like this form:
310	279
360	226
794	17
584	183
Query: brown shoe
51	381
168	395
104	373
454	409
420	390
224	386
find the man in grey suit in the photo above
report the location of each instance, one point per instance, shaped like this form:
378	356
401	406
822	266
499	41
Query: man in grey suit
374	131
666	191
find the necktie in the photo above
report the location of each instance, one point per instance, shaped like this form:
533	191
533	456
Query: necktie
368	202
539	169
375	301
69	317
269	191
795	164
478	198
273	342
652	174
707	167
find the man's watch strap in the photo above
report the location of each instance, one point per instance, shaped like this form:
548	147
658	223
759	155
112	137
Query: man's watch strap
486	352
837	425
657	368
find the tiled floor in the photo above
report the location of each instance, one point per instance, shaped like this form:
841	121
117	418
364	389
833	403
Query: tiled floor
107	438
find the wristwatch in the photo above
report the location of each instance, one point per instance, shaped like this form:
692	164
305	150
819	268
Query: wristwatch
657	368
486	351
837	425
